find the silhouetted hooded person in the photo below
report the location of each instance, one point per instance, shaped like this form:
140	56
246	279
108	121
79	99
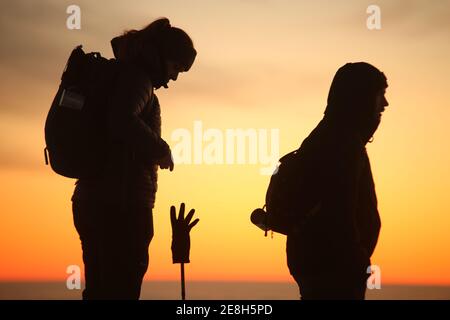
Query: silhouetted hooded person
352	97
329	255
113	213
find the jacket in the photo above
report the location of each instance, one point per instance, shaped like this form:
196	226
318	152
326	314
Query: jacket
342	235
135	143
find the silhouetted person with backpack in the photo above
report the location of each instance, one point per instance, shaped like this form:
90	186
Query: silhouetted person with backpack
330	251
113	212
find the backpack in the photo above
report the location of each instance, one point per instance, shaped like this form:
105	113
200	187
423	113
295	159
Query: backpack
292	195
76	133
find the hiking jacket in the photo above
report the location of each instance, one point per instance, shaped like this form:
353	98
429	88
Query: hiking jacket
134	128
342	235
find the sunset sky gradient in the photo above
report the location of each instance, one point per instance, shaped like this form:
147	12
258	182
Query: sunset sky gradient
262	65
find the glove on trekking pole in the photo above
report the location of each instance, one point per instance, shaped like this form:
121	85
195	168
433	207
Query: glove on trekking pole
181	241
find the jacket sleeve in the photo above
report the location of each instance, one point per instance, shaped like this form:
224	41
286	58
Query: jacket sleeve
132	92
343	177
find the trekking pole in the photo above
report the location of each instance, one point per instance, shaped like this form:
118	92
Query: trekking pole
181	241
183	288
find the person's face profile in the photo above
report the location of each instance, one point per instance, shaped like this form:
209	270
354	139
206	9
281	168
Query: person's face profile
173	70
378	107
380	103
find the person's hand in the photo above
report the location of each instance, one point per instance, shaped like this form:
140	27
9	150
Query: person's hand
181	227
166	162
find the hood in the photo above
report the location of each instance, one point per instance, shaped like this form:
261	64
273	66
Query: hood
351	99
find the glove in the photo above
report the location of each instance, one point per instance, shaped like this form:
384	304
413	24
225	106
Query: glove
181	227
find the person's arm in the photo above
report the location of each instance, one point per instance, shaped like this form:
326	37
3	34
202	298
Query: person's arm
343	174
133	90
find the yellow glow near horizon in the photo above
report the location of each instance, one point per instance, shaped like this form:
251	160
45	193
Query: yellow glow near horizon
260	65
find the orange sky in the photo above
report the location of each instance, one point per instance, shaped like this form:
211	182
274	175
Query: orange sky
262	65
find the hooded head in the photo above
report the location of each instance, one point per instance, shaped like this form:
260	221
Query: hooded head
352	99
158	49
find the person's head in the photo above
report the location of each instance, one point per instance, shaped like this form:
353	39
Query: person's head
162	50
356	98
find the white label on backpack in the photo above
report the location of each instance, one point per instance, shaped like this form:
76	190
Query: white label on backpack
72	100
